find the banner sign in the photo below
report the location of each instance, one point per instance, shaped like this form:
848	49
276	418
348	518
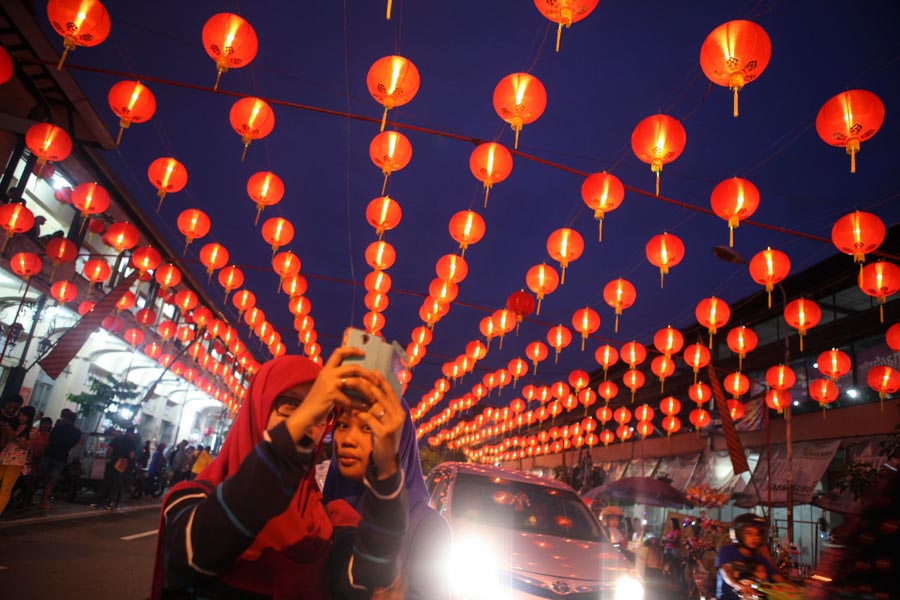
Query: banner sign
809	462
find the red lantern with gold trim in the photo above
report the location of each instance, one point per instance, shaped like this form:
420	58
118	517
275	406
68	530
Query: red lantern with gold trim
167	276
559	337
121	236
884	380
490	163
466	227
392	81
823	391
801	314
858	234
63	291
780	377
390	151
230	41
606	356
168	176
879	280
734	54
230	278
664	250
383	213
193	224
542	280
519	99
633	353
213	256
734	200
768	268
699	418
602	193
90	199
619	294
26	264
565	245
252	119
565	13
712	313
585	321
696	356
15	218
380	255
633	380
833	364
658	140
536	352
848	119
277	232
132	102
79	22
741	340
48	142
778	399
451	268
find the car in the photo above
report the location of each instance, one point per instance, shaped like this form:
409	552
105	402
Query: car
518	536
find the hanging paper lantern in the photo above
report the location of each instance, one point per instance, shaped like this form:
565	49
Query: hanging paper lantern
602	193
662	367
301	305
383	213
606	356
85	307
517	368
559	337
883	379
519	99
213	256
879	280
95	226
579	379
79	22
126	302
374	322
858	234
230	41
145	259
619	294
801	314
734	54
658	140
565	245
696	356
451	268
186	300
90	199
565	12
604	414
168	176
664	250
542	280
167	276
277	232
252	119
121	236
700	392
778	399
622	415
736	410
285	265
390	151
392	81
644	413
768	268
376	302
536	352
633	353
265	189
522	304
833	364
48	142
737	384
585	321
606	436
26	264
466	227
671	424
63	291
607	390
670	405
734	200
296	284
96	270
490	163
145	317
134	337
780	377
6	66
699	418
644	428
823	391
742	340
132	102
848	119
193	223
380	255
633	380
892	337
15	218
668	340
60	250
712	313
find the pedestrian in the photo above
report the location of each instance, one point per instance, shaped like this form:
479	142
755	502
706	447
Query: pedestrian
144	457
428	538
176	461
188	463
278	541
203	458
63	438
118	465
738	563
14	455
9	418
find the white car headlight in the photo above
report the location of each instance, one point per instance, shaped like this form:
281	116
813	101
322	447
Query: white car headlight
629	588
474	571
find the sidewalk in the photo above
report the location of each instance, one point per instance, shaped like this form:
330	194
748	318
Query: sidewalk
79	509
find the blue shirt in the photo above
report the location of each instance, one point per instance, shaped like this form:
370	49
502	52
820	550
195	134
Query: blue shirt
743	566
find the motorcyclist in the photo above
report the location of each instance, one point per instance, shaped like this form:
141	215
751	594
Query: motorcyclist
740	564
610	517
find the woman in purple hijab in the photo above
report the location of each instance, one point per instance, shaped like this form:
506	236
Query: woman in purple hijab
426	546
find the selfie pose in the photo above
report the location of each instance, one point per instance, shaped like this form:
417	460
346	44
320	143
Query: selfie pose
253	525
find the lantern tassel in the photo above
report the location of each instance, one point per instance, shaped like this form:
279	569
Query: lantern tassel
227	291
162	195
881	312
600	230
5	240
657	183
62	59
388	14
258	212
558	35
244	153
661	276
801	344
384	185
730	236
562	279
537	312
823	411
770	299
487	190
219	72
516	145
735	102
616	328
383	119
582	343
119	137
853	162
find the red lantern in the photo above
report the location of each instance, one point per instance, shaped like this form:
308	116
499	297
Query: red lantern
892	337
622	415
60	250
736	410
490	163
823	391
168	176
619	294
670	405
296	285
451	268
606	356
383	213
734	54
780	377
742	340
737	384
121	236
603	193
880	280
230	41
145	259
96	270
559	337
519	99
380	255
778	399
802	314
213	256
132	102
604	414
277	232
858	234
376	302
517	368
696	356
167	276
833	364
466	227
6	66
186	300
699	418
662	367
300	305
671	424
522	304
565	245
126	302
608	390
586	321
90	199
664	250
712	313
374	322
633	353
145	317
392	81
633	380
644	413
48	142
285	265
536	352
849	118
15	218
26	264
668	340
884	380
231	278
768	268
264	189
63	291
193	223
658	140
252	119
644	428
565	13
700	392
390	151
734	200
85	307
607	436
79	22
134	337
542	280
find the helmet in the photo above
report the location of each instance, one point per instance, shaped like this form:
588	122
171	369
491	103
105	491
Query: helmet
611	511
745	520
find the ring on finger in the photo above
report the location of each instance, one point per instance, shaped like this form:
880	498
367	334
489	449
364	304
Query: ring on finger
380	415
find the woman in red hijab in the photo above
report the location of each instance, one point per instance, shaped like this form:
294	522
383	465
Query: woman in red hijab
252	525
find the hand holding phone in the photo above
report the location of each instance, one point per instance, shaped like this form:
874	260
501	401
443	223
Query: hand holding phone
387	359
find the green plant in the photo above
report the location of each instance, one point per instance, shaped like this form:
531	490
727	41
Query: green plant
856	478
102	392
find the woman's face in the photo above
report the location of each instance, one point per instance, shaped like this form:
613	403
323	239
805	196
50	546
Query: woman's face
287	402
352	445
45	426
23	417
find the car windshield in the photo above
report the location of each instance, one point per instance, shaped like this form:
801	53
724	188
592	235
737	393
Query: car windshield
523	507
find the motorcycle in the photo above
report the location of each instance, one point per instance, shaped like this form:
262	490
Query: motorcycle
146	484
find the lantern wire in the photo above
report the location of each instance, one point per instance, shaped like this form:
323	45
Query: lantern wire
347	155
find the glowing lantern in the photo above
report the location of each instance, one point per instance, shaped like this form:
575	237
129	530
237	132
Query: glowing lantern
90	199
392	81
213	256
297	285
737	384
145	317
699	418
671	424
734	54
15	218
778	399
633	380
849	118
300	305
193	223
542	280
490	163
85	307
167	276
801	314
884	380
230	41
466	227
451	268
374	322
536	352
504	321
670	406
858	234
668	340
48	142
126	302
734	200
768	268
823	391
522	304
559	337
380	255
26	264
378	281
658	140
231	278
619	294
565	12
664	250
606	356
662	367
586	321
742	340
696	356
517	367
519	99
252	119
603	193
578	379
60	250
477	350
644	413
132	102
134	337
383	213
264	189
623	432
712	313
79	22
63	291
376	302
6	66
608	390
644	428
880	280
736	410
277	232
186	300
622	415
633	353
168	176
96	270
833	364
606	436
604	414
565	245
185	334
780	377
285	265
587	397
145	259
700	392
390	151
892	337
121	236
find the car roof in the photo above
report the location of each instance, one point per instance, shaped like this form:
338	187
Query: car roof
513	475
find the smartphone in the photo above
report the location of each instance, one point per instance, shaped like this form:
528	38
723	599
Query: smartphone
387	359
